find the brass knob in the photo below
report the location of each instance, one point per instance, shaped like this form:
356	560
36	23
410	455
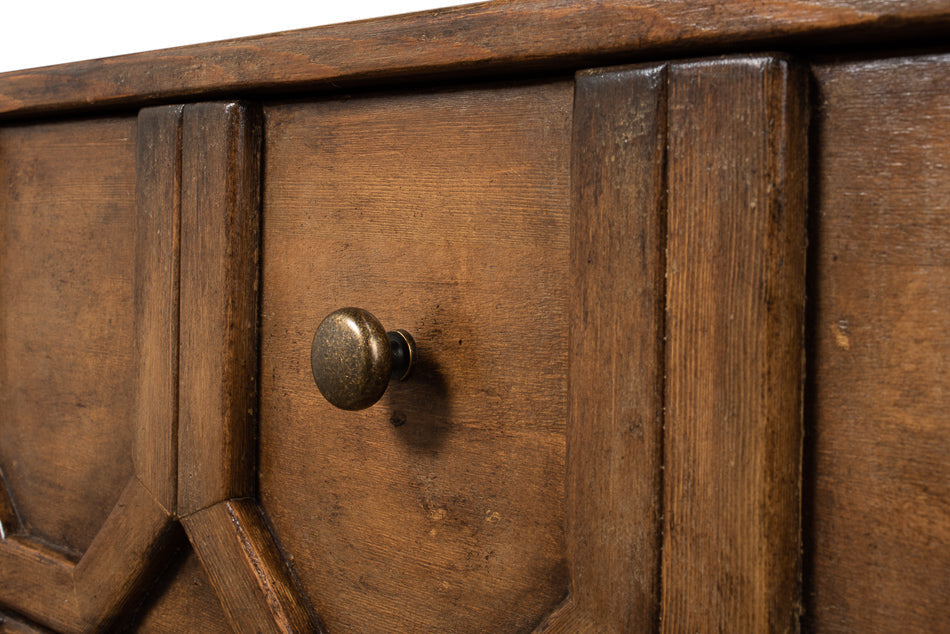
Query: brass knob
353	358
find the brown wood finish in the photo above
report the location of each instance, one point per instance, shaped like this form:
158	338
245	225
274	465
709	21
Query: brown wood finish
246	569
879	452
505	36
220	205
446	213
71	243
12	625
67	381
615	429
38	583
613	293
132	548
158	205
734	349
183	600
220	227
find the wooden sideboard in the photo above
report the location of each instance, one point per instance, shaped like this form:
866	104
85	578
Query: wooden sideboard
679	276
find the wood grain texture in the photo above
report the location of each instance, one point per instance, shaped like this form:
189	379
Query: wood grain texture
38	582
130	551
67	382
514	35
878	524
615	430
446	213
157	223
10	624
218	291
182	601
246	569
734	352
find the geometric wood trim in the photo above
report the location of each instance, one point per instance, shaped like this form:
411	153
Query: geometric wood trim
220	202
687	277
246	569
129	549
132	548
615	424
38	583
734	353
158	203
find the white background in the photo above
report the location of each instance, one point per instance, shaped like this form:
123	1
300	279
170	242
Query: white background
43	32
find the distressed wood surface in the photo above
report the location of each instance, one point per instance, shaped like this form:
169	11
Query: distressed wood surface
129	552
512	36
67	382
182	601
38	582
734	350
220	206
246	569
615	428
157	223
445	213
878	521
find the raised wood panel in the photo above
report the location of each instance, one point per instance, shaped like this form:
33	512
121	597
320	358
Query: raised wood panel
67	381
446	213
878	424
734	345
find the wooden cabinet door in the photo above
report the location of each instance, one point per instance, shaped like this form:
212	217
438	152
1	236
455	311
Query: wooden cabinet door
88	347
605	278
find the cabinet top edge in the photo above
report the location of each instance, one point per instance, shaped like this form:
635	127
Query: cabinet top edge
503	37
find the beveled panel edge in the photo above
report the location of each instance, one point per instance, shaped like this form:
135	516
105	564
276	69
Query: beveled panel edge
132	549
615	424
155	300
252	581
514	35
220	250
38	582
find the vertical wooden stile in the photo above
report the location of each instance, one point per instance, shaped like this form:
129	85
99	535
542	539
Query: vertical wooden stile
734	355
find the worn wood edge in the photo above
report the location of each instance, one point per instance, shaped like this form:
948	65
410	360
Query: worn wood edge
37	582
156	290
514	35
615	428
220	250
782	300
253	583
130	551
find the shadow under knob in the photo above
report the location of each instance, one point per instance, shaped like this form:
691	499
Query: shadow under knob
353	358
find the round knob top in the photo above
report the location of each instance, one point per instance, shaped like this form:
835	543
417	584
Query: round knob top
352	358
